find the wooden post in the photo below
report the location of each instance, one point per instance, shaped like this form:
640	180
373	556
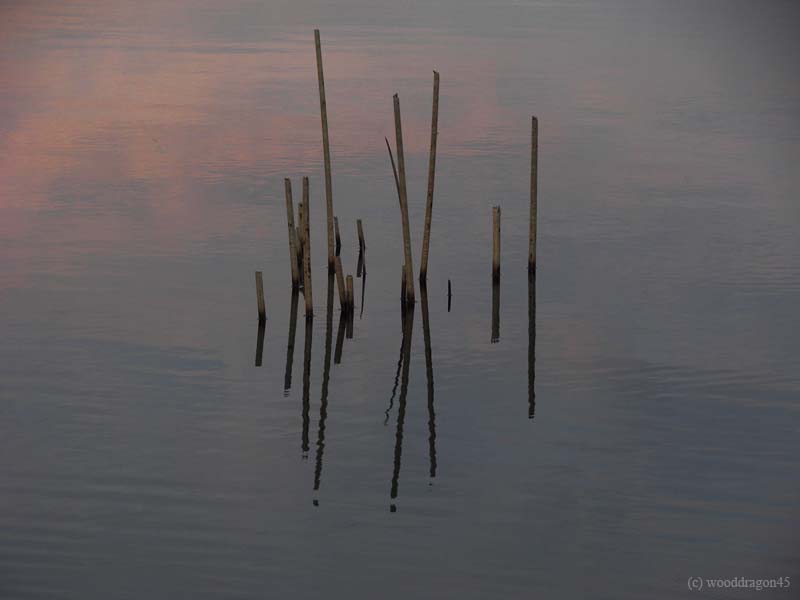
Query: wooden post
534	191
307	254
337	265
350	300
401	166
361	244
262	311
301	236
496	243
426	237
292	234
338	239
326	150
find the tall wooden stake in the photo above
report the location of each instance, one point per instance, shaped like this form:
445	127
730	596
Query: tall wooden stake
326	150
401	166
336	234
534	191
307	254
292	234
426	238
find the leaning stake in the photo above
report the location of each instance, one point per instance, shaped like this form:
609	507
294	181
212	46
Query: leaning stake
326	150
262	311
534	191
401	166
426	238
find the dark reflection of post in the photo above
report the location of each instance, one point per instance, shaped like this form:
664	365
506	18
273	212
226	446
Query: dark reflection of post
306	381
360	264
260	342
531	343
396	381
363	289
495	311
408	328
426	331
326	376
287	378
337	355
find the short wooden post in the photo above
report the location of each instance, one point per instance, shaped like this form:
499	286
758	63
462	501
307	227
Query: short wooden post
292	234
426	237
337	265
326	149
401	166
338	239
307	254
534	192
262	310
350	300
361	244
301	233
496	243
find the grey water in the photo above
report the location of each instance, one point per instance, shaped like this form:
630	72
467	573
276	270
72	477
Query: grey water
626	422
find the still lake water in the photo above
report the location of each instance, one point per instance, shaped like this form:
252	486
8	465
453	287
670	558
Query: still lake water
143	148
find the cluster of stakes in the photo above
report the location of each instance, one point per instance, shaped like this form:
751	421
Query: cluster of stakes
300	263
300	238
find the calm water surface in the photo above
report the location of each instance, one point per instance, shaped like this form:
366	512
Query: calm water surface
648	435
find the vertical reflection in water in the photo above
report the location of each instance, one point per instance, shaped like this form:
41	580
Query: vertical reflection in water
260	342
496	311
306	381
408	328
349	323
426	331
363	289
396	381
326	376
360	264
531	343
287	378
337	355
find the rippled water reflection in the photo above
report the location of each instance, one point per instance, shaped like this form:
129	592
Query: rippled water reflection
634	423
